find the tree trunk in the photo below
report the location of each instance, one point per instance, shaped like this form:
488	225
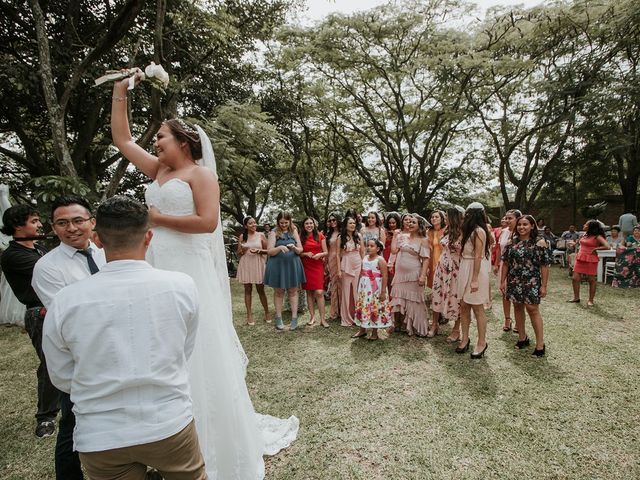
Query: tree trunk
55	113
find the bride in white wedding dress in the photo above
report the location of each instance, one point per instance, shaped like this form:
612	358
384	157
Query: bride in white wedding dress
184	208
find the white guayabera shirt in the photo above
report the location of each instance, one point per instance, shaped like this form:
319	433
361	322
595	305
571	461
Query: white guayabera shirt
119	342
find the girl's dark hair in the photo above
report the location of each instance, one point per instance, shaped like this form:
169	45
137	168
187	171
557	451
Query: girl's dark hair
533	236
328	230
343	233
245	230
354	214
314	232
475	218
287	216
186	132
394	215
454	225
378	223
16	216
443	221
379	245
594	228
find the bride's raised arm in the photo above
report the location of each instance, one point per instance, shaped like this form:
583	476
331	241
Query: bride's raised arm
122	139
206	197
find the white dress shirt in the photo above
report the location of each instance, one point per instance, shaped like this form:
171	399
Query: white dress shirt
119	342
60	267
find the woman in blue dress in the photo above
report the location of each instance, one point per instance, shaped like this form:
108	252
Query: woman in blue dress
284	268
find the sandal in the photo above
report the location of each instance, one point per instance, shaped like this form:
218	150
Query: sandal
432	333
359	335
507	328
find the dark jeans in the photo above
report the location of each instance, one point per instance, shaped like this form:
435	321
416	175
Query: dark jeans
48	395
67	460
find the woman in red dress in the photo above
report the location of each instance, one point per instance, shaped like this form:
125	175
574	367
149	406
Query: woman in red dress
587	259
314	249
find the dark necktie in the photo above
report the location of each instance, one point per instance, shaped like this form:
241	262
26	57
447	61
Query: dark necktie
93	268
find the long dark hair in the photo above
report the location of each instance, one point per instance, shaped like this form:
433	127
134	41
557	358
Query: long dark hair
533	236
455	218
245	230
423	224
475	218
314	233
328	231
594	229
343	233
354	214
396	217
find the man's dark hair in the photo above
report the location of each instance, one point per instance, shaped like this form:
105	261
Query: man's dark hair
16	216
121	222
66	200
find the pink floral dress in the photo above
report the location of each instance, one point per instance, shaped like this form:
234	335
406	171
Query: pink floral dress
371	312
445	281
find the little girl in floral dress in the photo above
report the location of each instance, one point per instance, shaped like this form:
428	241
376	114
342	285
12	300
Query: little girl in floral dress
372	307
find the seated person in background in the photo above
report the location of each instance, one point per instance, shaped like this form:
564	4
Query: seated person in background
570	234
614	238
549	237
119	342
633	240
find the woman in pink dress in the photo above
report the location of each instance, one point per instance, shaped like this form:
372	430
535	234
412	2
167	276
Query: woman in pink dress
473	280
349	262
332	236
314	250
411	267
252	248
587	259
444	297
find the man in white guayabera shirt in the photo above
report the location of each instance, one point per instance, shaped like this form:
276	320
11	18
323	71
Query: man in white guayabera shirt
119	342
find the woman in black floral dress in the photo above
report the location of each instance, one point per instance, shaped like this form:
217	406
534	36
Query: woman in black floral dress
524	280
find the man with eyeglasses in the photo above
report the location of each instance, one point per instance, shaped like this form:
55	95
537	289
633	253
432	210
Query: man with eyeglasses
75	259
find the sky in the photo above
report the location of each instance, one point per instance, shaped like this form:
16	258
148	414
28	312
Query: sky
317	9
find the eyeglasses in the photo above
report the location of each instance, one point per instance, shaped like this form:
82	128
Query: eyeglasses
332	220
78	222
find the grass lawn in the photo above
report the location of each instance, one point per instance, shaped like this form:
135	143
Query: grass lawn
409	408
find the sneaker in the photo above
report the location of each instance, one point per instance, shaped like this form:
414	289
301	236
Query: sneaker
45	429
294	324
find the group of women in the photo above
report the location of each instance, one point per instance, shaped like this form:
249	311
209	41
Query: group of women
401	273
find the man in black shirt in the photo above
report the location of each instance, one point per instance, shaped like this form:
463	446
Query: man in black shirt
22	222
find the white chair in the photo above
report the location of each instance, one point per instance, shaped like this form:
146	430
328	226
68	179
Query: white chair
559	253
609	270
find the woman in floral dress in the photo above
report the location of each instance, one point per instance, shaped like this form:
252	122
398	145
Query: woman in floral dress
372	307
526	260
444	300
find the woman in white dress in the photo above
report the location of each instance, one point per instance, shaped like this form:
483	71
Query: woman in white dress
184	207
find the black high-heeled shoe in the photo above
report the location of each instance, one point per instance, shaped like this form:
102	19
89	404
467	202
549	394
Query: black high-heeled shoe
520	344
539	353
463	349
478	355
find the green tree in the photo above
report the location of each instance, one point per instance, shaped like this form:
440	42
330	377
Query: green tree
384	86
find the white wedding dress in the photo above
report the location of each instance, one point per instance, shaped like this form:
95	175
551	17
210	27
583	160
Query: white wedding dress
233	438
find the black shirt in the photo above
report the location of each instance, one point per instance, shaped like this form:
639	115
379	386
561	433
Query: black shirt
17	265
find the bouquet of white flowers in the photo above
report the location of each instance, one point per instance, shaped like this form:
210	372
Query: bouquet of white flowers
153	73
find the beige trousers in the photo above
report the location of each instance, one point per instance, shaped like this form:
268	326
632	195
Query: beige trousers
176	458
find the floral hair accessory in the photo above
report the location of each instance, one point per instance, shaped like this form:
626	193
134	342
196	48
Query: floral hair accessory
187	127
